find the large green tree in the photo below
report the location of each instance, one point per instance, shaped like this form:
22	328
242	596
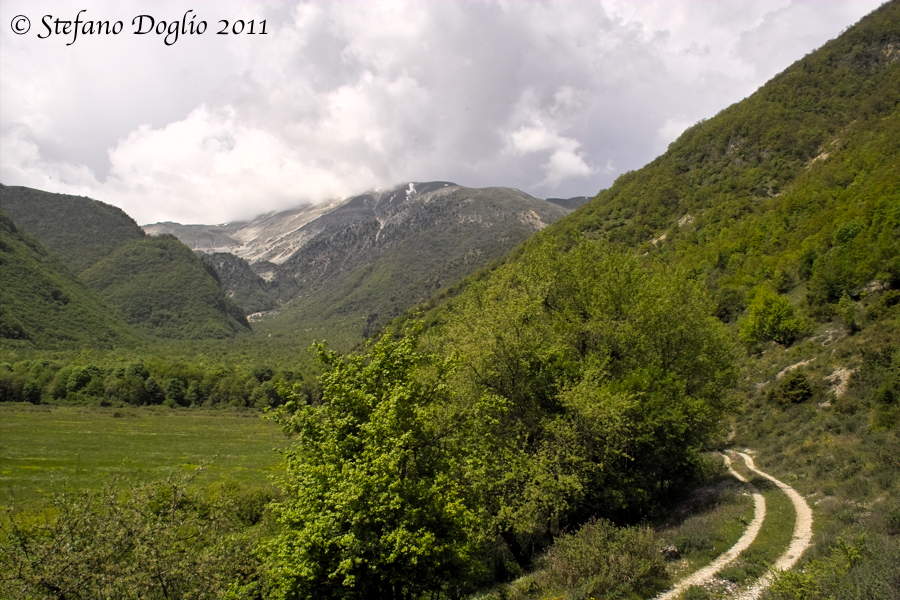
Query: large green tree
369	511
615	373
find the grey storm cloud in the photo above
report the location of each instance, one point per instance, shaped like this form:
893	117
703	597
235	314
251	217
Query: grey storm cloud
555	98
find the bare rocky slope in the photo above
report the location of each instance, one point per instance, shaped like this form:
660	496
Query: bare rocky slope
268	237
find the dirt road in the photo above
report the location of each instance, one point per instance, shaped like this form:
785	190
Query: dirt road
800	540
703	575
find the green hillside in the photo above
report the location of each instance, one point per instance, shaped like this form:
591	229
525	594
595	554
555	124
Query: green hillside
43	305
795	186
794	189
160	285
80	231
156	284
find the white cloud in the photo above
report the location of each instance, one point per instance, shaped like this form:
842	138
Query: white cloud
565	164
555	97
212	167
22	161
565	160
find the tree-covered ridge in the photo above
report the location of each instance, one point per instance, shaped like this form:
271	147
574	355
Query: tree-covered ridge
155	284
79	230
753	149
163	287
794	189
43	304
795	186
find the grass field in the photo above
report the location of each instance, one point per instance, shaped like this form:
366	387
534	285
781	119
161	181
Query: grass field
49	449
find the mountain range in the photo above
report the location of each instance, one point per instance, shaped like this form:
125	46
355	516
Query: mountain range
346	268
339	270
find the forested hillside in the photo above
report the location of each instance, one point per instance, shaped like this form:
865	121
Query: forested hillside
43	304
79	230
794	186
156	285
161	286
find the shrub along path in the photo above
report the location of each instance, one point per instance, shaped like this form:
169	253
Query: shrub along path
799	542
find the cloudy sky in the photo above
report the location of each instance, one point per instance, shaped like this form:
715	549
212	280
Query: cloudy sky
555	98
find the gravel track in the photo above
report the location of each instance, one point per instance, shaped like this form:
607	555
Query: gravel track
703	575
800	540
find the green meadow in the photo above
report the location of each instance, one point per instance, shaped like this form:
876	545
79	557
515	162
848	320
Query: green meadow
50	449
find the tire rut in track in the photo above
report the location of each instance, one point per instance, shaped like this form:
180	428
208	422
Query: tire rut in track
800	540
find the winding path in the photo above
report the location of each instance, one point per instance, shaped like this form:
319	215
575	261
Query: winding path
703	575
800	540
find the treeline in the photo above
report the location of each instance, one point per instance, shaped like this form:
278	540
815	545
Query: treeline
154	382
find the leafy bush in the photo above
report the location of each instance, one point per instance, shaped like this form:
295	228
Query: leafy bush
369	509
849	314
793	388
770	317
603	560
158	542
601	356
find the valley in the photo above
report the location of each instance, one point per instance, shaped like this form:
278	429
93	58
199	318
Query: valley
341	271
685	387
